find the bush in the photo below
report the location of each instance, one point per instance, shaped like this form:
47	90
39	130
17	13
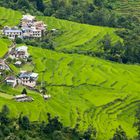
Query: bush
18	40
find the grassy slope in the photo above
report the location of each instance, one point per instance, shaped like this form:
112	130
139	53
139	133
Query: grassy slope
79	37
4	44
128	7
84	89
9	17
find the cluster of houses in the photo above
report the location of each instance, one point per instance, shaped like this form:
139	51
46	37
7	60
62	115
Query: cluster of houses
28	79
3	65
24	78
20	52
28	28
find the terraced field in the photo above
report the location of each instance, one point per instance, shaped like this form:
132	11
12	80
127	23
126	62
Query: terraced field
9	17
4	44
78	37
86	93
85	90
128	7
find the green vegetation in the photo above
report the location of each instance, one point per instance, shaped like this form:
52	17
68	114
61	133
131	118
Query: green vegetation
137	122
20	128
77	37
86	91
94	12
9	17
127	7
93	92
4	44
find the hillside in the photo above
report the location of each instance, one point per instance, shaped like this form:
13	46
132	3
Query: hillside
84	89
4	43
9	17
107	99
128	7
79	37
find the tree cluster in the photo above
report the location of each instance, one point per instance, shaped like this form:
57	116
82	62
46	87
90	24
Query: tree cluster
22	128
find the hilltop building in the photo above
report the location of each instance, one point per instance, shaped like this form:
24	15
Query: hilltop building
3	66
28	79
18	63
27	20
32	28
12	33
11	80
20	52
29	28
23	98
46	97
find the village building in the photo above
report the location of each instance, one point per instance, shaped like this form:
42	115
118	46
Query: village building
32	28
11	80
29	28
23	98
31	32
20	52
39	25
18	63
27	20
12	33
46	97
28	79
3	66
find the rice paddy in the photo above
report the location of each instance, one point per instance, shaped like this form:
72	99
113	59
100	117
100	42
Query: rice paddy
85	90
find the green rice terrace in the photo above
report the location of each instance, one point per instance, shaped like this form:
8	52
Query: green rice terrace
128	6
84	89
4	44
88	36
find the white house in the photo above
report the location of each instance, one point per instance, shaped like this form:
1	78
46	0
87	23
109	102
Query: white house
12	33
18	63
11	80
3	66
30	28
28	18
28	79
20	52
46	97
23	98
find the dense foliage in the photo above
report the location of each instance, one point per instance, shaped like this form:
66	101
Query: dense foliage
96	12
137	123
22	129
119	134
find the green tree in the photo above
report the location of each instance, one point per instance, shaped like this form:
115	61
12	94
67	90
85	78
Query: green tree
40	5
137	123
58	135
5	110
25	123
18	40
24	91
4	115
119	134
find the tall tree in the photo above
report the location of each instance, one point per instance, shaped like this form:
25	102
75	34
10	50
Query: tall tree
137	123
120	134
24	91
